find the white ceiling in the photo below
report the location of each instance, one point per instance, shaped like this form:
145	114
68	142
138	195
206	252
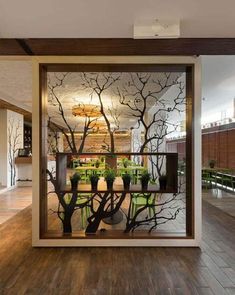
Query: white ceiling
112	18
16	83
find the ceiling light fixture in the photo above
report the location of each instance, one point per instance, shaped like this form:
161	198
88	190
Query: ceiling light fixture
157	29
86	110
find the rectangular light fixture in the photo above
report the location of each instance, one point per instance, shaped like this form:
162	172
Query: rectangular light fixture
157	29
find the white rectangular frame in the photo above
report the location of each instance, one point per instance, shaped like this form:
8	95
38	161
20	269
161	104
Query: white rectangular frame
174	242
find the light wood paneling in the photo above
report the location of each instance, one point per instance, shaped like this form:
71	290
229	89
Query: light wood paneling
23	160
94	143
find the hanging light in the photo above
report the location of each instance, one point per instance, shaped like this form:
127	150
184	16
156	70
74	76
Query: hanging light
86	110
98	125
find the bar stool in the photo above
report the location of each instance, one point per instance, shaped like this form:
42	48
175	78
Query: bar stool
82	198
139	200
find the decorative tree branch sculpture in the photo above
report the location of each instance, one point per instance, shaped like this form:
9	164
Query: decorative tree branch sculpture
140	93
163	209
14	134
69	206
55	101
103	209
53	137
68	131
98	83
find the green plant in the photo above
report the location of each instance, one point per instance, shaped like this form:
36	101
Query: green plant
126	180
94	177
125	162
212	163
126	176
97	163
75	177
163	181
145	176
109	175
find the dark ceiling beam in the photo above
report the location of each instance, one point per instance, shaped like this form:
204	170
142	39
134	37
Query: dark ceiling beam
25	46
10	47
118	46
6	105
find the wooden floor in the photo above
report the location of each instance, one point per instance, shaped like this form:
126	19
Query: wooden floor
125	271
13	201
220	199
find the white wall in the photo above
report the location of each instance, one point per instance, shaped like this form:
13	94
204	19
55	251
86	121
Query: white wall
10	123
3	147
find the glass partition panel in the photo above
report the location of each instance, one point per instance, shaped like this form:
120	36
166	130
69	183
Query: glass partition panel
113	169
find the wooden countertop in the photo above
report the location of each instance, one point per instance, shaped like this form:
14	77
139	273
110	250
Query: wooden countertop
23	160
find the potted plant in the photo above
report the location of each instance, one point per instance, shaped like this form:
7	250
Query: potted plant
125	162
145	178
212	163
163	182
126	180
109	177
94	178
74	179
97	163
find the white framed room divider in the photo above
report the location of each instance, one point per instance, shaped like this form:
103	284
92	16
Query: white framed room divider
51	231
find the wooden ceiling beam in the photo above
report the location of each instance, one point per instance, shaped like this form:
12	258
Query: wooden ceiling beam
118	46
10	47
25	46
6	105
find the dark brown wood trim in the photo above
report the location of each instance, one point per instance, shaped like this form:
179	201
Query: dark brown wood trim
116	67
119	46
11	47
119	154
25	46
9	106
42	148
190	198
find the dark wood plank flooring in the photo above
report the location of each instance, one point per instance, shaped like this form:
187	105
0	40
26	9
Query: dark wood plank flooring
124	271
221	199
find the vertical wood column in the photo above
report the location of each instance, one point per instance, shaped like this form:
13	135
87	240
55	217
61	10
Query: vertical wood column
43	149
189	151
